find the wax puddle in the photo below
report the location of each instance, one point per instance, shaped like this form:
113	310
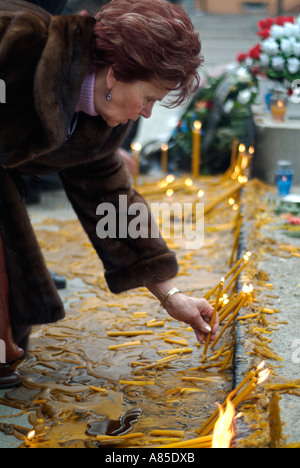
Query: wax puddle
115	427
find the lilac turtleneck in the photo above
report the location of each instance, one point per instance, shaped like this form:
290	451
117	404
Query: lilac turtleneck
86	98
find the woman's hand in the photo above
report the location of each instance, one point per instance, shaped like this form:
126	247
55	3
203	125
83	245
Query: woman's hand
195	312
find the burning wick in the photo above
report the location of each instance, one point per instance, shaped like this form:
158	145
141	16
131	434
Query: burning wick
30	436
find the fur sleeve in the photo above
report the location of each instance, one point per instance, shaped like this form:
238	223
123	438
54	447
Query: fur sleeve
119	225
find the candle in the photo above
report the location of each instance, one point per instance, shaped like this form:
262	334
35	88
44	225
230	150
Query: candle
236	239
235	187
244	299
246	258
213	318
136	154
278	110
164	159
196	158
233	155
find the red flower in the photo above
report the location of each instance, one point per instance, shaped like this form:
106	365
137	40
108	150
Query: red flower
255	52
295	220
264	33
255	71
284	19
241	57
265	24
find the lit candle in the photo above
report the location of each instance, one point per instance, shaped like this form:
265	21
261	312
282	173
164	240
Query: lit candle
136	154
164	159
196	158
278	110
246	258
244	299
29	438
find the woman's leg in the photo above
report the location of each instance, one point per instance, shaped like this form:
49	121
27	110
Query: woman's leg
12	351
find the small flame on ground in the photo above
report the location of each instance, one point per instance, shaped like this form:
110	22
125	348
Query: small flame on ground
30	435
224	431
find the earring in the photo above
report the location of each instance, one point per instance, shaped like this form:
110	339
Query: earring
108	96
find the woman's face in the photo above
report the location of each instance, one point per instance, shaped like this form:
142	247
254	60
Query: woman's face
128	101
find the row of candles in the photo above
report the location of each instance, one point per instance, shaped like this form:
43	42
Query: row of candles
196	153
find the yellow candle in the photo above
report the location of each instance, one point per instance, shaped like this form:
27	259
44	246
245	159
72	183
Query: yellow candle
236	239
213	318
196	158
164	159
229	321
246	258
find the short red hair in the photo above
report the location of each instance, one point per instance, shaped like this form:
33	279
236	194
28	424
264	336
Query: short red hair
149	39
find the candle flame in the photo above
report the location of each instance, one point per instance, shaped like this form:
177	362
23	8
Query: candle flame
170	178
223	431
242	148
280	103
169	192
30	435
136	146
164	147
197	125
251	150
246	289
263	375
201	193
261	365
188	182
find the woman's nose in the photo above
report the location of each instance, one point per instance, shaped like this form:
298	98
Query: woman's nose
147	110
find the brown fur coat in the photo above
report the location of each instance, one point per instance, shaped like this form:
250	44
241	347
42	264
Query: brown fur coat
43	61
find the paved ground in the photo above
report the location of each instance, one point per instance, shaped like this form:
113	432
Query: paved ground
222	37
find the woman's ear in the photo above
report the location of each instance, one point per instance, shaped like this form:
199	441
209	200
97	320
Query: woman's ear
110	79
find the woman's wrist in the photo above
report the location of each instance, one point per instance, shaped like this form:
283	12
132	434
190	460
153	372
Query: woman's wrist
162	291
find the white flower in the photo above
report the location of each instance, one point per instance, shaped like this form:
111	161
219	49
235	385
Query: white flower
228	106
296	49
248	61
243	76
291	30
264	60
244	96
278	63
270	46
293	65
276	31
286	46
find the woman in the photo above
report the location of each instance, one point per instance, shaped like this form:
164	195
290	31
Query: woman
73	85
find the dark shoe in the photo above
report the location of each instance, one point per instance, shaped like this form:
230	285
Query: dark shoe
59	281
9	378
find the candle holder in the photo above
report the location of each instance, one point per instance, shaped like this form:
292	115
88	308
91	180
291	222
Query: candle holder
284	177
279	105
